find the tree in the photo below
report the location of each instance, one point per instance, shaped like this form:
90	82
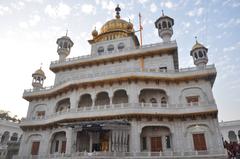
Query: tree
4	115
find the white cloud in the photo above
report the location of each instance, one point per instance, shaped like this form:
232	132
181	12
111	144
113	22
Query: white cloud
153	7
88	9
195	12
142	1
108	5
231	23
167	4
232	48
33	21
18	5
59	11
231	3
4	10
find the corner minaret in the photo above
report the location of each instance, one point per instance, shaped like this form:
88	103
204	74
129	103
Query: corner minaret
38	78
164	25
64	47
199	54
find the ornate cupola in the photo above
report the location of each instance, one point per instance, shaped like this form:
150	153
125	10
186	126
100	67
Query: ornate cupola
38	78
64	47
199	54
164	25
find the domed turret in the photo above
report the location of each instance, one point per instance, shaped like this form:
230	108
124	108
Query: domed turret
199	54
164	25
64	47
94	33
38	78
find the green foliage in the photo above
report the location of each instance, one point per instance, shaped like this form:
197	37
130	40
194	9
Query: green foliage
4	115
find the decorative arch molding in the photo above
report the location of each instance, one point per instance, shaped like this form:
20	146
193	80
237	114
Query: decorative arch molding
38	107
189	92
199	127
146	94
156	125
35	136
63	104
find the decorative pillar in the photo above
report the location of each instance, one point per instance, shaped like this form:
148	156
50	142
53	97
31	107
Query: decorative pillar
135	137
69	141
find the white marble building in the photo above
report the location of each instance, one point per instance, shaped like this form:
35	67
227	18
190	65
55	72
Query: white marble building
124	100
10	133
230	131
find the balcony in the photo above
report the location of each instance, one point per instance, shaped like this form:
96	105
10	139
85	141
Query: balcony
134	155
123	110
115	53
123	73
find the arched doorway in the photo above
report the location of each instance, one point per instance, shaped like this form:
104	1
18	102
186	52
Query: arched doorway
58	142
102	99
63	105
154	96
120	96
85	101
156	138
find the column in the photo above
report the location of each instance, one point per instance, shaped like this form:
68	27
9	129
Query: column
90	142
45	144
133	93
69	141
113	140
74	99
134	137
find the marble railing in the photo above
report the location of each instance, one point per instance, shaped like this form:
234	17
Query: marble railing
118	52
208	154
125	71
121	109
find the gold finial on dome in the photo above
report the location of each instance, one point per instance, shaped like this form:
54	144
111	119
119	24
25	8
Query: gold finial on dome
94	32
118	9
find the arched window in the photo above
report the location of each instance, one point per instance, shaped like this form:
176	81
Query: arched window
160	27
110	48
120	46
63	105
164	24
200	54
204	52
232	136
195	55
164	101
14	137
153	100
100	50
169	25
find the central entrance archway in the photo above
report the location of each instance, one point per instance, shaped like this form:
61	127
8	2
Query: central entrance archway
155	139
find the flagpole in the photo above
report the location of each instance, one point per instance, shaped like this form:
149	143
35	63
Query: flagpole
140	28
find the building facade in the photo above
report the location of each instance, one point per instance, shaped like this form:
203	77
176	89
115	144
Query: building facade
124	100
10	135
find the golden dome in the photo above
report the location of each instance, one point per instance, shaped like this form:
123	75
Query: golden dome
117	25
39	72
113	29
197	46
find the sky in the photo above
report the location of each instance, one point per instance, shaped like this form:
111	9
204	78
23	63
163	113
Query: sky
29	30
